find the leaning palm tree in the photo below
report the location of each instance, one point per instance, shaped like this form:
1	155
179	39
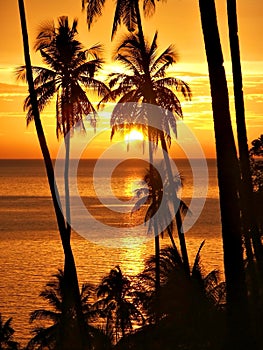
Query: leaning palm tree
73	291
141	91
115	303
49	333
72	313
6	335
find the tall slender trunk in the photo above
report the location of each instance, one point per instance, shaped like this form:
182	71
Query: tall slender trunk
228	180
249	220
72	292
155	226
176	205
156	233
164	147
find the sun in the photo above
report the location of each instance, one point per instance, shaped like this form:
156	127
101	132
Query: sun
134	135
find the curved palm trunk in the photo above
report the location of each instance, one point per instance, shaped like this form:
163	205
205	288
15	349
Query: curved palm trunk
72	295
228	180
249	220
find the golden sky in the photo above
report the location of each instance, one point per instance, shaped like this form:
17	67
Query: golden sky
177	21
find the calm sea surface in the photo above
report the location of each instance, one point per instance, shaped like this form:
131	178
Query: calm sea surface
29	241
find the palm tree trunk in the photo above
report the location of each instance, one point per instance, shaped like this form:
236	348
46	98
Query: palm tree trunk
249	220
228	180
69	268
176	201
155	226
164	147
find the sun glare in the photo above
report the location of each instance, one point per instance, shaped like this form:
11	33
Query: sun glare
134	135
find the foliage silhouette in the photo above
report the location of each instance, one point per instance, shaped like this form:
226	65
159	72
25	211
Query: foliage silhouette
191	310
75	325
126	12
141	92
160	190
6	335
49	333
117	305
71	71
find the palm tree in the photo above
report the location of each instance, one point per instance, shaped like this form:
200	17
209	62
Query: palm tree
71	70
6	335
246	187
143	91
115	303
49	336
161	205
228	179
74	336
191	310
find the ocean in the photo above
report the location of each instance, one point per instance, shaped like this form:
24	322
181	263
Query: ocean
109	235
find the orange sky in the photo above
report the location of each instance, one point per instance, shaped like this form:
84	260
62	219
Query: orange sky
178	22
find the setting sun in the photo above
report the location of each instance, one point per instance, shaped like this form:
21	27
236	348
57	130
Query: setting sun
134	135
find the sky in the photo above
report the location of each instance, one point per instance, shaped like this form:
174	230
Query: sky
177	22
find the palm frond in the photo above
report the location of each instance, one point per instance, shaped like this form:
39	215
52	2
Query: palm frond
178	84
94	9
117	17
167	56
196	270
142	201
42	314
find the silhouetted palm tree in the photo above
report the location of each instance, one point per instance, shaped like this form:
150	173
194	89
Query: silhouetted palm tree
146	82
75	334
6	335
228	180
71	71
50	333
161	206
115	303
190	308
248	208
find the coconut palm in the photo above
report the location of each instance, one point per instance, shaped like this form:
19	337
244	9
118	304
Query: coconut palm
75	334
141	91
228	180
69	71
49	334
248	205
156	195
190	308
6	335
115	303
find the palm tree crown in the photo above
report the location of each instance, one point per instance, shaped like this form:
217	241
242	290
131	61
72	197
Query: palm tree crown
71	70
145	82
54	293
6	335
125	12
116	303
